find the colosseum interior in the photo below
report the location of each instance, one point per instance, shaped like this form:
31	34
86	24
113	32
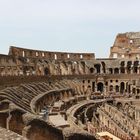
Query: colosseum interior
71	96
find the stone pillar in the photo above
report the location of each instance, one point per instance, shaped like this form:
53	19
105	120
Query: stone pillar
131	70
138	70
8	120
78	119
86	120
104	88
95	88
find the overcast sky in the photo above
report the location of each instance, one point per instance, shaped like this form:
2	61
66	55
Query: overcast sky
66	25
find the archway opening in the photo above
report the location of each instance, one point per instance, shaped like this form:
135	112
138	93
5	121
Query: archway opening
122	86
100	87
119	105
97	66
122	63
46	71
122	70
116	70
111	88
91	70
110	71
117	88
129	63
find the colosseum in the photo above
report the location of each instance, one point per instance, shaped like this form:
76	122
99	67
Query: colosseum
71	96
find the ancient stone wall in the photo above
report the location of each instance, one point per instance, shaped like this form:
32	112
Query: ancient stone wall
22	52
126	45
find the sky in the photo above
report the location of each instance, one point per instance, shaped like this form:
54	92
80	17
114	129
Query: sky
66	25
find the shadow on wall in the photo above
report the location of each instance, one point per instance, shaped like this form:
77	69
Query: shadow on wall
39	130
16	123
80	137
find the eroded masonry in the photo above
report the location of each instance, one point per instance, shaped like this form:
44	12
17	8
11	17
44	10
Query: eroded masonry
71	96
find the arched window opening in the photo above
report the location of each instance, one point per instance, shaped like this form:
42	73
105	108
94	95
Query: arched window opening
119	105
134	91
97	67
116	71
91	70
122	70
135	70
122	87
117	88
129	64
46	71
128	70
100	87
136	63
111	88
122	63
110	71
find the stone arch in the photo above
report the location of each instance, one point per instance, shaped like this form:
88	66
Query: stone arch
135	68
129	64
116	71
122	63
126	106
119	105
98	68
100	87
111	88
46	71
91	70
122	87
4	105
134	90
110	71
117	88
122	69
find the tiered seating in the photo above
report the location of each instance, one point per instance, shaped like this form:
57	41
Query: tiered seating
23	94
